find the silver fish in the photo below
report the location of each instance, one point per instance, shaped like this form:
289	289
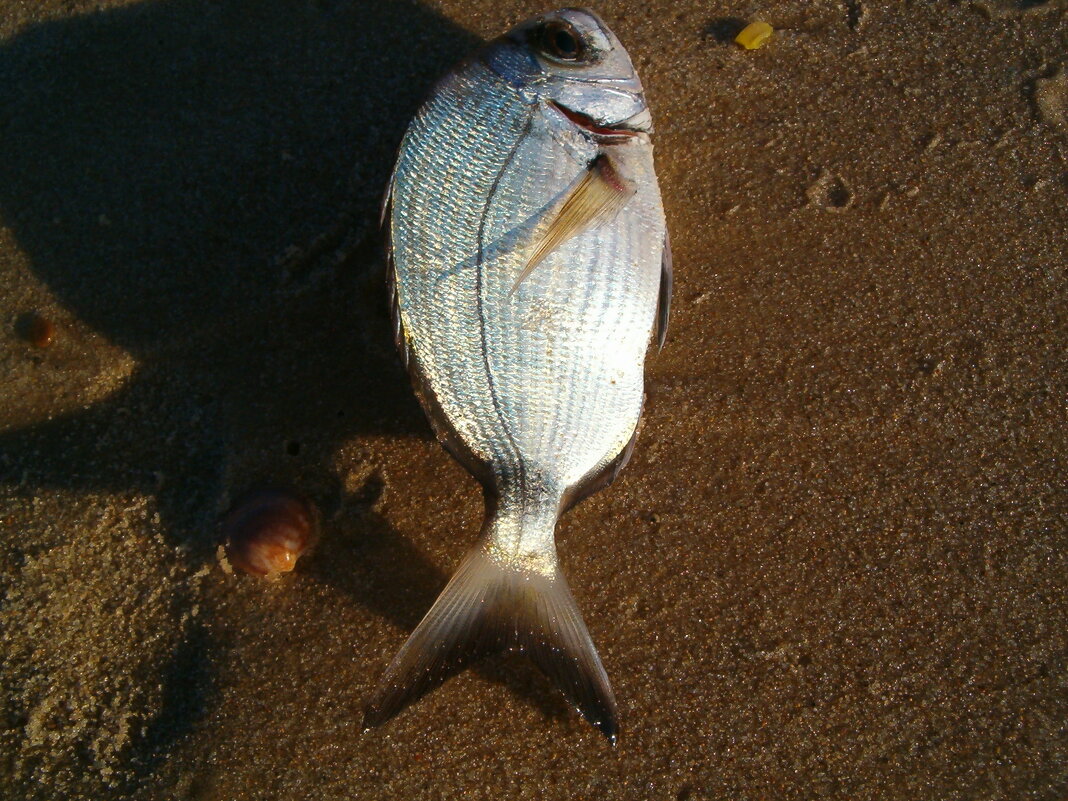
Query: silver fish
529	268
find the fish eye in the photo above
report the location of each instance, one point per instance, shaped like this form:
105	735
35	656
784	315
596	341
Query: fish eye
559	40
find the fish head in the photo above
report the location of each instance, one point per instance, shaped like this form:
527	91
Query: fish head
570	60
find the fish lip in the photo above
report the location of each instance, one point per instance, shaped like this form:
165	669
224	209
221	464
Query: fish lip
620	131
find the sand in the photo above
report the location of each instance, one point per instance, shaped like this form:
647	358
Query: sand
835	567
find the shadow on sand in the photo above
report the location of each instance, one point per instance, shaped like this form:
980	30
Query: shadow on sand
160	164
182	175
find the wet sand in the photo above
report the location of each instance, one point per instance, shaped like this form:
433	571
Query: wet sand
835	567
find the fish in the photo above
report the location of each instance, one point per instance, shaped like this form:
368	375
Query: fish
530	272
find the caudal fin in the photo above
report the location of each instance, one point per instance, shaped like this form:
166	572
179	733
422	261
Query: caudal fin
488	607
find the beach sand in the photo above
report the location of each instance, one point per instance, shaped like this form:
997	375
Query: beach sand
835	567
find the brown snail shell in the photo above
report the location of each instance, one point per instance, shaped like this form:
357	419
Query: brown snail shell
37	329
267	530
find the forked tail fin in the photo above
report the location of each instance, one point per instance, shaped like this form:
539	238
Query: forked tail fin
488	607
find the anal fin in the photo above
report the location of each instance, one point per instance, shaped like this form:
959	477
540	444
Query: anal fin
663	303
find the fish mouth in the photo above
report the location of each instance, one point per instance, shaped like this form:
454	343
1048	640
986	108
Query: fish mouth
618	132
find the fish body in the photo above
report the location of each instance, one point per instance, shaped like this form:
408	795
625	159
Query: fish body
528	261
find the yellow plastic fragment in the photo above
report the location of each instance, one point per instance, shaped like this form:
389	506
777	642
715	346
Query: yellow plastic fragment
754	35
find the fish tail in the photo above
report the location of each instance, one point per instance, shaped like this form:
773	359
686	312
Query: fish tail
490	606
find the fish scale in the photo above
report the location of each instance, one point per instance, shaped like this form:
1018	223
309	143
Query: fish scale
528	360
440	155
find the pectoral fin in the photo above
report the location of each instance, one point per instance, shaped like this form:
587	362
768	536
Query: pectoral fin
597	196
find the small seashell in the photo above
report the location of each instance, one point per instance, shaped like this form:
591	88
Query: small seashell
37	329
267	530
754	35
